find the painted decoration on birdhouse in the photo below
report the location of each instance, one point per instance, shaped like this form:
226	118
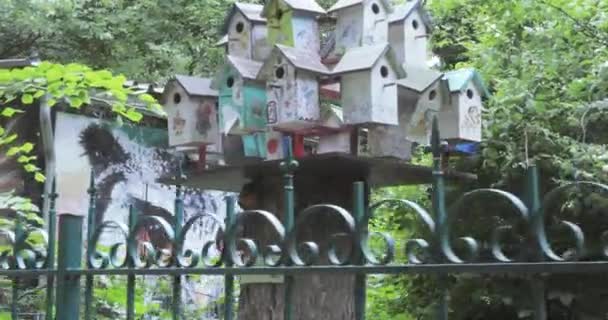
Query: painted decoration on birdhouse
192	113
293	23
292	88
360	23
246	32
409	33
274	145
421	96
460	119
386	141
368	88
254	145
242	99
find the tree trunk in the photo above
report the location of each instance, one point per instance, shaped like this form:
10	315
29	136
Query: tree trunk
317	296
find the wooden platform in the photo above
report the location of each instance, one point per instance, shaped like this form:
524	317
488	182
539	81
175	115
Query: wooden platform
379	172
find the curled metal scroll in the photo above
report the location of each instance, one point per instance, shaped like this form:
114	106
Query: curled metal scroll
189	258
20	254
575	231
412	245
471	244
151	256
311	249
101	260
271	253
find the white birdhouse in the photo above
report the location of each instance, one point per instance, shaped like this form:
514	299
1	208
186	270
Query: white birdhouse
460	119
242	99
246	32
367	85
421	96
293	23
191	107
385	141
409	32
292	88
360	23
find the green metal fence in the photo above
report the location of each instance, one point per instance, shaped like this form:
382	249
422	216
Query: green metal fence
441	253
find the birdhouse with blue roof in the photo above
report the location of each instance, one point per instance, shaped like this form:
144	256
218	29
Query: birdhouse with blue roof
421	95
292	88
368	85
293	23
242	99
246	32
191	106
360	23
460	117
409	33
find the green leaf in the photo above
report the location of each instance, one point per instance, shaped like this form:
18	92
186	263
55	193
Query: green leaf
134	115
13	151
39	177
51	102
76	102
9	112
147	98
25	159
27	147
30	168
27	98
8	139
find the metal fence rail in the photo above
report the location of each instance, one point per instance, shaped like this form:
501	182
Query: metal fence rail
440	252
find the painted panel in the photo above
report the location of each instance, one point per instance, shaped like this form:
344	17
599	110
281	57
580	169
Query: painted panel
254	145
239	36
261	48
229	106
274	145
254	109
280	27
389	141
356	97
470	107
126	162
349	29
307	97
282	94
306	33
416	41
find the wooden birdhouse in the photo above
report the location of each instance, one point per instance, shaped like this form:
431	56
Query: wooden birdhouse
242	99
367	86
191	107
254	145
293	23
409	32
421	96
335	137
246	32
387	141
460	118
292	88
360	23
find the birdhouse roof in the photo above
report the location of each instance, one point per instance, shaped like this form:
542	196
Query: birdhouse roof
310	6
459	79
343	4
305	60
364	58
247	69
195	86
253	13
403	11
420	79
222	41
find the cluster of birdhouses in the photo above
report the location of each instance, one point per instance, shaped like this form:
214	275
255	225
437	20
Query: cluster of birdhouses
371	78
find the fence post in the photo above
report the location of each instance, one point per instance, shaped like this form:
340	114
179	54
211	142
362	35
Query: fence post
50	264
70	255
439	208
361	278
88	294
16	248
177	280
229	279
130	264
532	198
288	167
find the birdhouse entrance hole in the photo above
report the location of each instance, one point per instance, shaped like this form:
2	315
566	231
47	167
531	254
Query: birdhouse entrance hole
415	24
470	94
279	72
432	95
375	8
384	71
240	27
177	98
230	82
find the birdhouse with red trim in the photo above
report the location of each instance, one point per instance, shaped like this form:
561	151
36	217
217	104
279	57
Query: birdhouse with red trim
368	85
292	88
191	107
